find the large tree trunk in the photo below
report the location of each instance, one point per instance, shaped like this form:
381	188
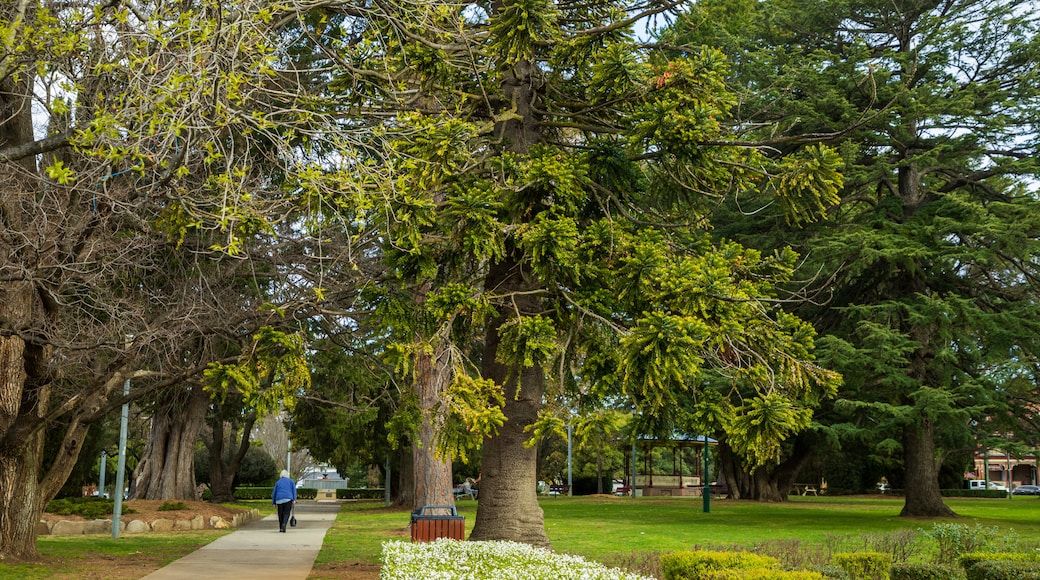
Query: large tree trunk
923	498
167	468
768	483
432	473
21	499
222	470
508	508
405	477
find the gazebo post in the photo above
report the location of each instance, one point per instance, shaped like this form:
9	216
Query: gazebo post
706	494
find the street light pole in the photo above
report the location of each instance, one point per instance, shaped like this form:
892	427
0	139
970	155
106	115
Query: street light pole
569	477
101	478
706	494
117	509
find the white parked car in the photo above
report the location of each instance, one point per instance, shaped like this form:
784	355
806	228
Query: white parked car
981	484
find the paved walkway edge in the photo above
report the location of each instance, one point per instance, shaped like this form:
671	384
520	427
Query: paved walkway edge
258	551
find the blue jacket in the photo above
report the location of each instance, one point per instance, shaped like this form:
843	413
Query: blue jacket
284	490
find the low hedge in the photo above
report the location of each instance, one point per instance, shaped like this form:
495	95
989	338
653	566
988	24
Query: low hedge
972	558
690	565
760	574
1003	570
990	493
245	493
91	508
361	493
920	571
864	565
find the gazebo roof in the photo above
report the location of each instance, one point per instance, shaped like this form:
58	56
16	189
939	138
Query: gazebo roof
680	437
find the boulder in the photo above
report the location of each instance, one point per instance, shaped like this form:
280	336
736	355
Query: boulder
218	523
67	528
98	527
162	526
182	525
137	527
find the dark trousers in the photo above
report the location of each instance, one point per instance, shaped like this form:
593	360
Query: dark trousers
284	512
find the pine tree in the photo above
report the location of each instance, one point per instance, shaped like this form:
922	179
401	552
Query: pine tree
927	277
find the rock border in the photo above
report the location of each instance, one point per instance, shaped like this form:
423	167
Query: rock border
137	526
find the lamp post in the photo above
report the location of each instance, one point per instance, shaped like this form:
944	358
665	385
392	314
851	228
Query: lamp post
706	494
101	477
569	449
117	509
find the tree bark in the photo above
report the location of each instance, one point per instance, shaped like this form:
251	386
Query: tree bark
508	508
404	493
222	471
21	500
923	498
768	483
432	473
167	468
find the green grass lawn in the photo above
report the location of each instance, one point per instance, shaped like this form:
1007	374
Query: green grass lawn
619	530
87	556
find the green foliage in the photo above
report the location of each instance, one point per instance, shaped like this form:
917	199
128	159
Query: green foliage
271	373
920	571
1003	570
90	508
864	565
758	428
255	493
527	342
760	574
172	506
687	565
954	540
473	407
970	559
989	493
519	27
361	493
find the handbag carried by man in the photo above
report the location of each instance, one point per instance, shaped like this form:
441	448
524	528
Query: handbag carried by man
292	517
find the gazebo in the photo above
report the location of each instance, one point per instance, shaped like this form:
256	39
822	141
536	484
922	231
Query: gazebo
650	474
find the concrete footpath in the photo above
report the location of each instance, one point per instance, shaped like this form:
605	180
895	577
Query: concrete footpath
258	551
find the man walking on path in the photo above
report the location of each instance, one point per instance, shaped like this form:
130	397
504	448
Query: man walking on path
284	496
252	552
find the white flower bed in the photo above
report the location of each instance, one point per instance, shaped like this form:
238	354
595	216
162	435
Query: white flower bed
454	560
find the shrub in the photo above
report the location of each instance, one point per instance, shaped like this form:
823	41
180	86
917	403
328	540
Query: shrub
865	565
445	559
687	565
1004	570
956	539
361	493
831	571
970	559
760	574
245	493
990	493
91	508
918	571
172	506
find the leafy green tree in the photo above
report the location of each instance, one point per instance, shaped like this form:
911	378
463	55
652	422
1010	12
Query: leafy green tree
549	183
927	279
167	132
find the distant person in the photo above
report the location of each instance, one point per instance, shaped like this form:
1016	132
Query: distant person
284	496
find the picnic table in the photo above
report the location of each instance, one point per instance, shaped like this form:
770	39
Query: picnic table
805	489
